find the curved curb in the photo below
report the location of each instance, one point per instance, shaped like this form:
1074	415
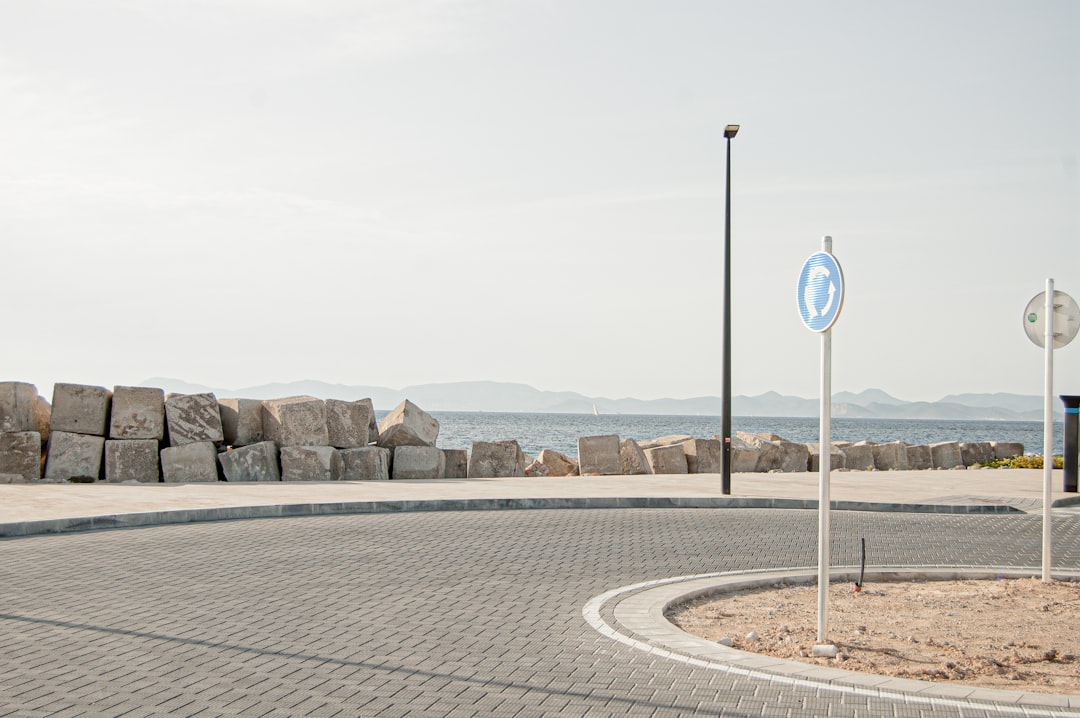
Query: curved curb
232	513
639	613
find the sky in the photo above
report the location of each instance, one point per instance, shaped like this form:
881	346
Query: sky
399	192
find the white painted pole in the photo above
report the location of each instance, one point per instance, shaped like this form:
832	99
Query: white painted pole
824	465
1048	430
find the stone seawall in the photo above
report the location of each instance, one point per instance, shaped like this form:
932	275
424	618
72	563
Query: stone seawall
140	434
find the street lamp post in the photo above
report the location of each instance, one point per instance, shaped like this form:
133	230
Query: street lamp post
725	419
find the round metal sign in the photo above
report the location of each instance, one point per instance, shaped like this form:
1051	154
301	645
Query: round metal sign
820	292
1066	319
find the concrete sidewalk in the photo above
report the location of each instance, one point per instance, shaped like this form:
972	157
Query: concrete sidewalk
48	508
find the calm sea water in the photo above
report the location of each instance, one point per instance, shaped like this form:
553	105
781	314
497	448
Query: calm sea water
561	431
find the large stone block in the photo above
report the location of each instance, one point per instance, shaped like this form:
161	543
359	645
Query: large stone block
418	462
976	452
408	425
599	455
253	462
1007	449
665	441
138	412
632	460
20	453
770	456
919	458
457	464
813	451
558	464
366	463
348	423
73	455
132	459
859	457
241	421
190	463
311	463
946	455
490	459
744	457
295	421
193	418
17	401
891	456
669	459
793	456
703	456
80	409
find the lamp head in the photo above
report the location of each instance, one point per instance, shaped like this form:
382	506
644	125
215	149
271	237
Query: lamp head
730	131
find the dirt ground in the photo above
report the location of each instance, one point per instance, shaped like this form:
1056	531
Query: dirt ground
1011	634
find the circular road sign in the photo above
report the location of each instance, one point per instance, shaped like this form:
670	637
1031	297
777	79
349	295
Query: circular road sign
1066	319
820	292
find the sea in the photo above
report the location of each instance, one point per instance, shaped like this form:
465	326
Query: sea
560	432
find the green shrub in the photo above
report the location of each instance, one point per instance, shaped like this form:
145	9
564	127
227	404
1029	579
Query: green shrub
1028	461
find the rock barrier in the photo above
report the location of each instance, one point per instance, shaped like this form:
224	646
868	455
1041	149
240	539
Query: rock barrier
140	434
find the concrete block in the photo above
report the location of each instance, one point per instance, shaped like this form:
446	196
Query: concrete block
859	457
42	415
20	453
919	458
946	455
704	456
793	456
17	401
418	462
366	463
665	441
408	425
253	462
311	463
295	421
976	452
193	418
189	463
132	459
744	457
457	463
80	409
770	456
813	463
599	455
138	412
241	421
890	457
632	460
348	423
1007	449
558	464
73	455
490	459
669	459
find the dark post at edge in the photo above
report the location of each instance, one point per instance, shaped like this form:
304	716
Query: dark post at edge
725	418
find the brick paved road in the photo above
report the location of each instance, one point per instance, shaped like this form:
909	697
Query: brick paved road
434	614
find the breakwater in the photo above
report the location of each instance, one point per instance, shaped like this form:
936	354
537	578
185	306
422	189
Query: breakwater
90	433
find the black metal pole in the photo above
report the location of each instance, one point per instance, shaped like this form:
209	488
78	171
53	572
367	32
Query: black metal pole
725	419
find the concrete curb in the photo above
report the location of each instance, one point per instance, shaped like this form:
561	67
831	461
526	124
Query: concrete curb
232	513
638	621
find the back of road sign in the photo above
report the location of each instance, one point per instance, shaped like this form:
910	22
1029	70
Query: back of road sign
820	292
1066	319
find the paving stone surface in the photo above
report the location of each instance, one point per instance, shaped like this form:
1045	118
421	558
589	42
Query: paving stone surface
426	614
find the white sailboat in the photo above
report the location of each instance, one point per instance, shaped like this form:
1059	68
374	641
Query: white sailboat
595	411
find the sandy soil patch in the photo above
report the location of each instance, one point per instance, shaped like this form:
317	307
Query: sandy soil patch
1012	634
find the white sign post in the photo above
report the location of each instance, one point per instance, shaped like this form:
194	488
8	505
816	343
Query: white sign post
820	295
1051	320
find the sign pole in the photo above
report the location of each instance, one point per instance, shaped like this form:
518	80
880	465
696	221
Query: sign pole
1048	431
824	467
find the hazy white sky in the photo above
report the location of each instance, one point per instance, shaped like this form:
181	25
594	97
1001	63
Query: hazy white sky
392	192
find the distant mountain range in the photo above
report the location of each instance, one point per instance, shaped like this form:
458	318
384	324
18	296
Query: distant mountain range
508	397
